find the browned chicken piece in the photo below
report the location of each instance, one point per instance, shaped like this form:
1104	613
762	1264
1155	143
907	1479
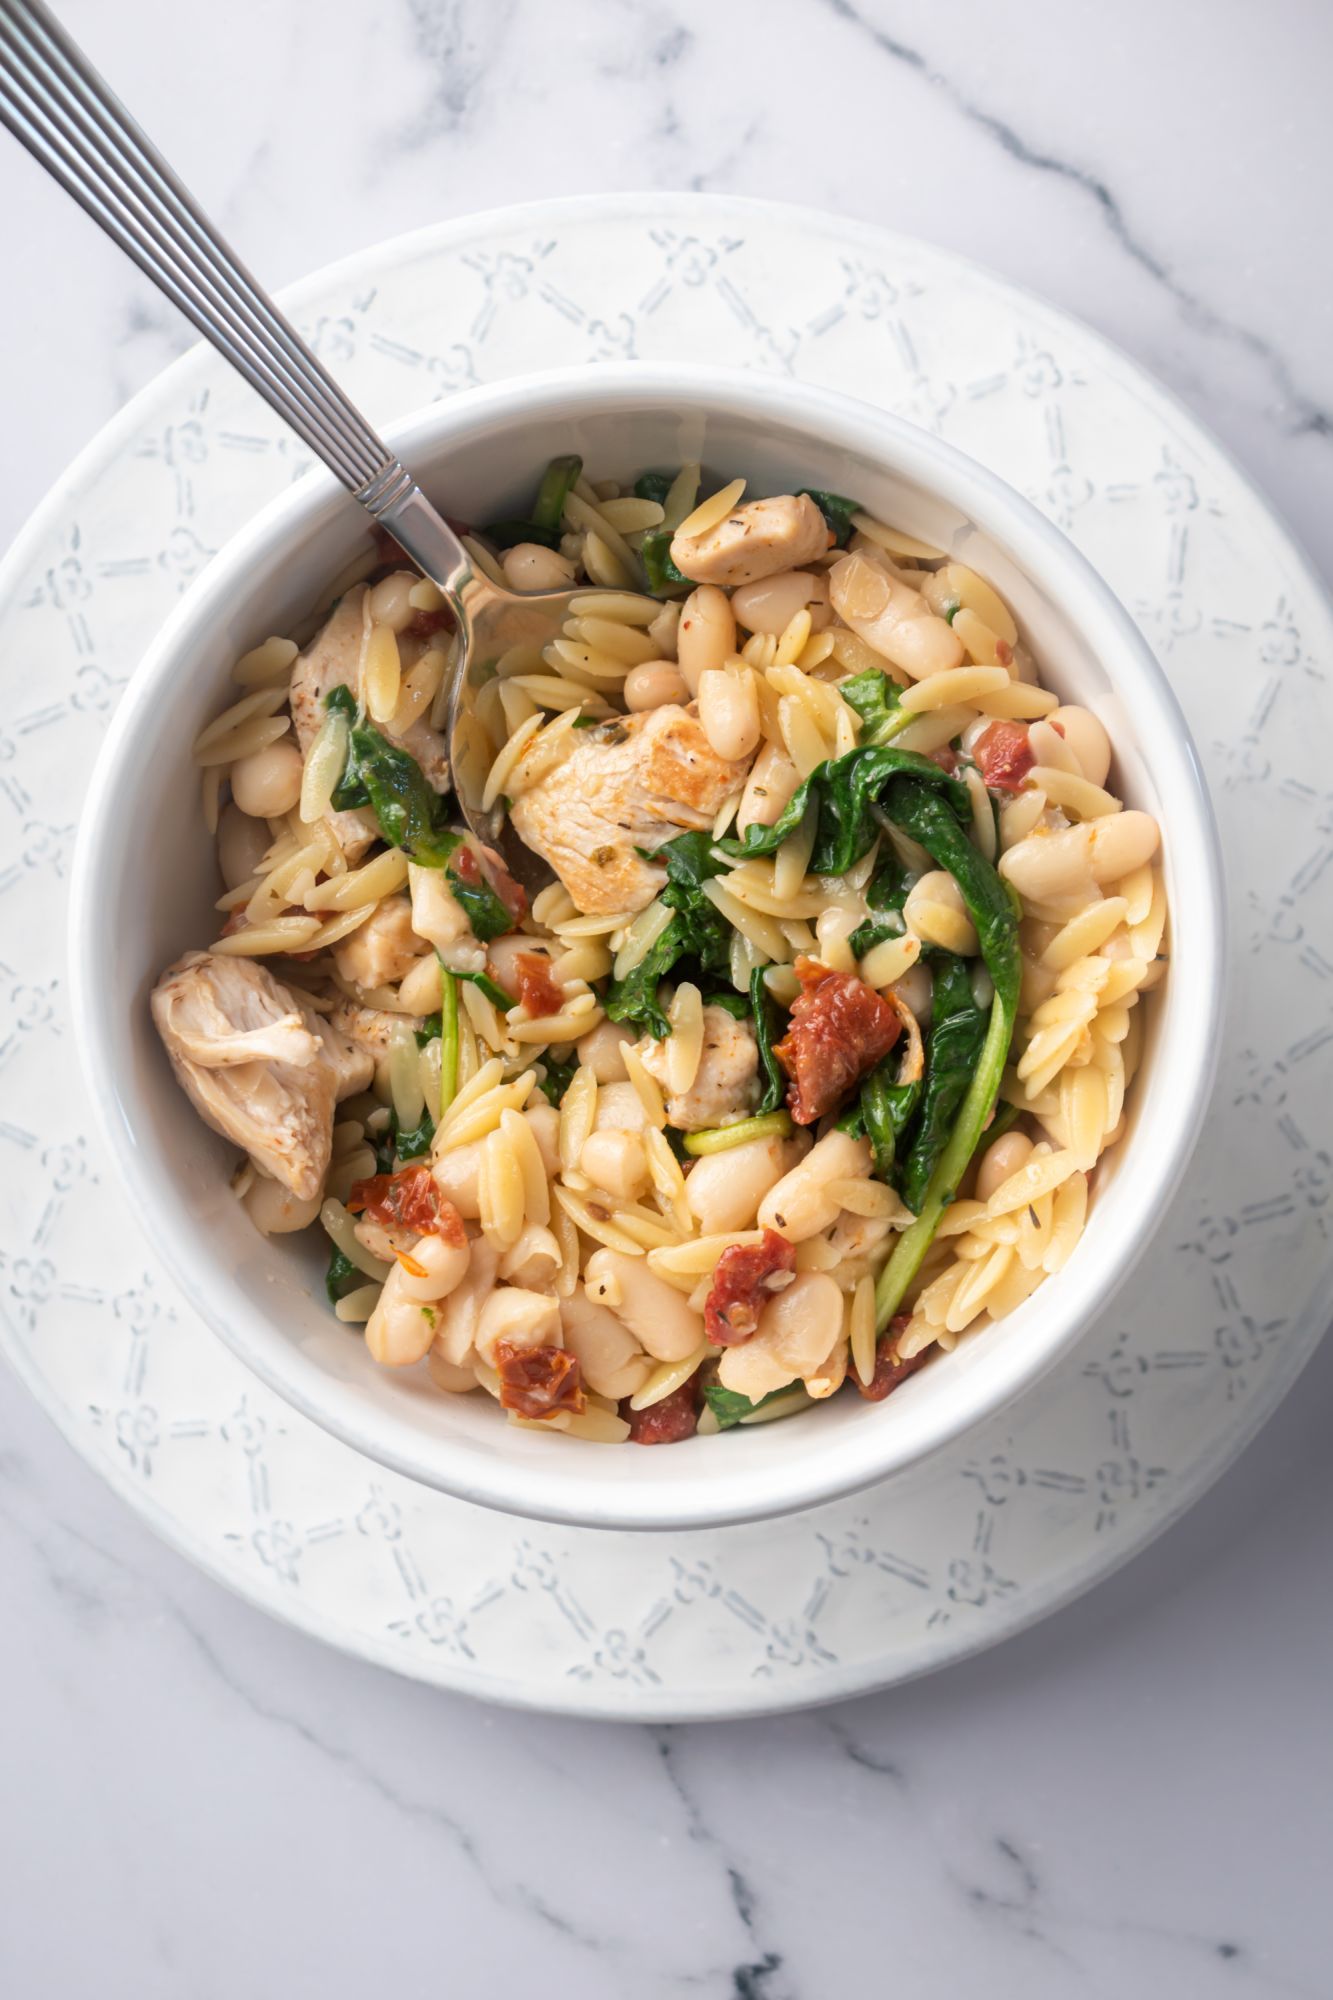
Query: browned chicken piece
756	540
726	1083
369	1028
634	782
258	1063
333	659
383	949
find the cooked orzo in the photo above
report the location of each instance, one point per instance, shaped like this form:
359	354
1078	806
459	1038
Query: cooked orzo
802	1065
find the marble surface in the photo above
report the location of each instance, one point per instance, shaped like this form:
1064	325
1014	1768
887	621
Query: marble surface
1132	1796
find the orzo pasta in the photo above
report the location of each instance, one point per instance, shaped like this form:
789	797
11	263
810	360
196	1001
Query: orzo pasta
802	1066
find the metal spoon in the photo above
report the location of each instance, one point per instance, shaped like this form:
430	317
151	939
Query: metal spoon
57	105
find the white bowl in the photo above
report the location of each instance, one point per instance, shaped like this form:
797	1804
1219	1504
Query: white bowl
145	879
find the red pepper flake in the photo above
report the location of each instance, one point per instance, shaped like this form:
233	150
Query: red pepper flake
743	1284
1004	756
408	1200
889	1369
538	992
537	1381
839	1029
666	1422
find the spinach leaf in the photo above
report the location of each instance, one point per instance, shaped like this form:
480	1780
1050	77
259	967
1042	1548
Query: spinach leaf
484	984
957	1031
664	579
885	895
484	910
554	490
845	790
385	1147
729	1407
836	511
558	1077
767	1030
508	534
415	1142
342	1275
697	930
883	1112
633	999
874	696
735	1004
654	486
429	1030
927	818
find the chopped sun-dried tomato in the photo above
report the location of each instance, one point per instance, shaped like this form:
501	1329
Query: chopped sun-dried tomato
466	865
407	1200
425	624
535	1381
537	989
469	869
1004	755
675	1417
947	758
889	1370
839	1028
746	1278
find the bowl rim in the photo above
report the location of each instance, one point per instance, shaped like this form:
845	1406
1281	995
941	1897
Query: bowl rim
548	1490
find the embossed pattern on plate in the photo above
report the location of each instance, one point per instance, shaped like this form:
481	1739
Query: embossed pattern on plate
1202	1343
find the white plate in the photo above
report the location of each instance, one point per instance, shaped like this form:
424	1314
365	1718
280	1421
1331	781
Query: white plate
1202	1343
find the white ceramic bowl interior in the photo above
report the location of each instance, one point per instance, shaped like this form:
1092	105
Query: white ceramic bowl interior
145	881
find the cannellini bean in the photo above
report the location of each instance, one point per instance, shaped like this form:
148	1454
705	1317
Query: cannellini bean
275	1210
770	604
1003	1157
706	635
800	1205
723	1190
457	1316
437	915
654	685
620	1109
419	990
391	600
653	1310
442	1266
242	845
617	1162
1063	869
534	1260
769	789
892	617
401	1329
935	912
545	1122
1086	738
502	955
600	1051
455	1174
612	1361
267	783
729	711
797	1329
530	566
520	1317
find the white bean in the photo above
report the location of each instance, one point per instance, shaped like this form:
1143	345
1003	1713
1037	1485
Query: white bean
653	1310
706	635
800	1205
443	1265
1063	869
769	789
616	1162
600	1051
437	915
534	1260
530	566
655	684
502	955
275	1210
400	1330
620	1109
1087	739
729	711
1120	843
724	1190
390	600
935	912
242	845
1004	1156
267	783
457	1316
522	1318
797	1329
612	1361
545	1122
419	989
455	1174
770	604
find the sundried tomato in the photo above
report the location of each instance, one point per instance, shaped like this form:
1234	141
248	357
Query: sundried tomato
839	1028
947	759
535	1381
1004	755
743	1284
537	989
889	1369
666	1422
407	1200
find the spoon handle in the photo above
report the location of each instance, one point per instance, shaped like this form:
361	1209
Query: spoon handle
56	104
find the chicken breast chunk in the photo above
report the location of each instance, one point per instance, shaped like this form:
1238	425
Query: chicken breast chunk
726	1084
383	949
258	1063
756	540
333	659
632	783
